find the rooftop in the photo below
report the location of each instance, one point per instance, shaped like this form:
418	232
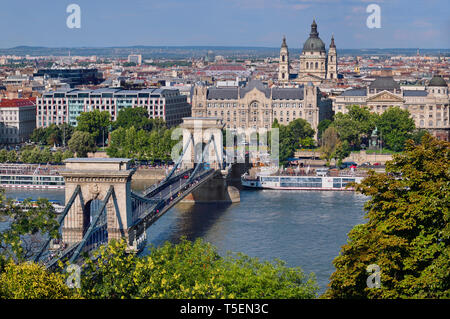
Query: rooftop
16	103
355	92
384	83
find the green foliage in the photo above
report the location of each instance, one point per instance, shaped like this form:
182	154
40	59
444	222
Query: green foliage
141	145
137	117
95	123
82	143
32	281
330	143
53	134
323	125
12	157
3	156
355	125
407	233
190	270
18	242
417	135
291	136
342	151
396	126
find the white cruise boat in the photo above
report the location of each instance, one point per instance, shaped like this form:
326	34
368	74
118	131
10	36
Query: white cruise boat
295	181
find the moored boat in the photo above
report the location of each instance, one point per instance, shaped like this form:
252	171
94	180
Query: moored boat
282	181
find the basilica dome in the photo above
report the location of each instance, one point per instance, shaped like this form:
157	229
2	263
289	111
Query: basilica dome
314	43
437	81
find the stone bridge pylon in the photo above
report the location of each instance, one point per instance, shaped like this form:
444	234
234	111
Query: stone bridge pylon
91	180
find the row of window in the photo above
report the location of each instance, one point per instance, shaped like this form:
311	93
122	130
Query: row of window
255	105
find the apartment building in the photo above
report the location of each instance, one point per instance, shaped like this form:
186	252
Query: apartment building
58	107
17	120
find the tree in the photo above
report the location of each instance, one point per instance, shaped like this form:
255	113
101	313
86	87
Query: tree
57	157
330	142
417	135
12	157
189	270
82	143
3	156
33	281
290	136
20	241
407	233
137	117
396	126
67	154
141	144
342	151
96	123
53	134
323	125
356	125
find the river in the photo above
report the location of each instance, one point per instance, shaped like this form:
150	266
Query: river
303	228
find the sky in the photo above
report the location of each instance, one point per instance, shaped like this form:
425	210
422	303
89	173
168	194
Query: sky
261	23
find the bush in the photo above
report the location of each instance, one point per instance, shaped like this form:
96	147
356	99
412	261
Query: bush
32	281
190	270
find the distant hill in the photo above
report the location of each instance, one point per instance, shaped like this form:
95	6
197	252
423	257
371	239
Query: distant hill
181	52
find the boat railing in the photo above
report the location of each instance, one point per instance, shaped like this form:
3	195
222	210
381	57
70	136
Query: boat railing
310	173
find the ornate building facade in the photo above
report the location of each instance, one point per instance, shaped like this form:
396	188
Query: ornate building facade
429	107
315	64
257	106
283	70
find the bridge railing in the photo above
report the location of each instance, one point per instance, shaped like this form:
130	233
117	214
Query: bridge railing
160	207
155	188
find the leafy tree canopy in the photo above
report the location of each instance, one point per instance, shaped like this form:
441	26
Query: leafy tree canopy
407	233
137	117
356	124
291	136
21	239
82	143
33	281
396	126
190	270
95	123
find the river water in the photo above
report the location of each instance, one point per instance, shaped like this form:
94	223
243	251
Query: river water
303	228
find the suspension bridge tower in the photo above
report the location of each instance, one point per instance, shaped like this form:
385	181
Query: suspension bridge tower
92	183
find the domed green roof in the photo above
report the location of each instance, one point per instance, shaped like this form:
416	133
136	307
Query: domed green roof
437	81
314	43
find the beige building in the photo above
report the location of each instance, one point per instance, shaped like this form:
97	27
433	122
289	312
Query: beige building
17	120
257	106
429	107
283	70
315	64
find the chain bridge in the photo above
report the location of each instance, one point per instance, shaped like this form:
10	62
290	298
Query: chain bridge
100	205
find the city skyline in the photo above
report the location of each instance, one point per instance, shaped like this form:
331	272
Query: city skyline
232	23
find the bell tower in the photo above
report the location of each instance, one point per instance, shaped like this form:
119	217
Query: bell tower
283	70
332	61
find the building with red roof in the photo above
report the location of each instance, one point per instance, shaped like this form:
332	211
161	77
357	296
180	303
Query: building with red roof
17	120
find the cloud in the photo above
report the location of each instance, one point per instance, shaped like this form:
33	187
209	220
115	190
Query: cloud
358	10
422	23
300	6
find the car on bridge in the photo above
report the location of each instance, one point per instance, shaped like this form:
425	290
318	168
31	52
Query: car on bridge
347	165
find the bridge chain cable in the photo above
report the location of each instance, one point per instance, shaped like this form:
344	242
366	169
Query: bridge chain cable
101	212
60	220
